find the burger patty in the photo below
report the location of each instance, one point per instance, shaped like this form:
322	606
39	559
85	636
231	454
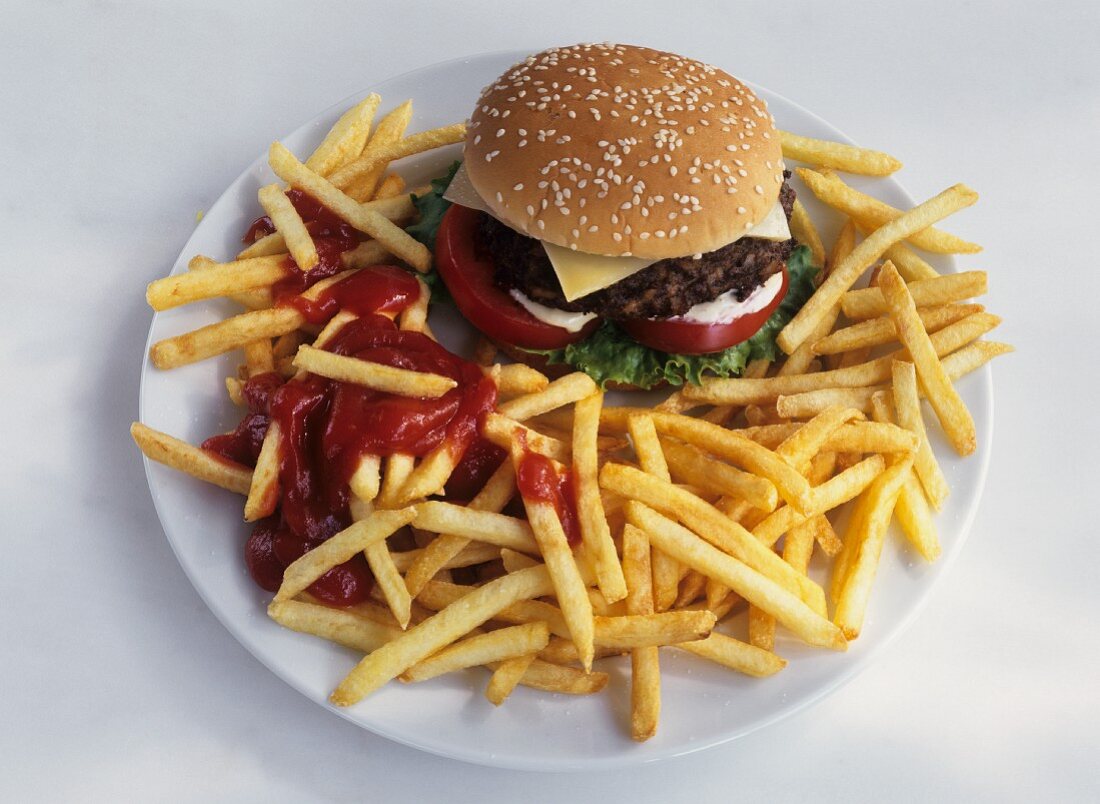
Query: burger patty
667	288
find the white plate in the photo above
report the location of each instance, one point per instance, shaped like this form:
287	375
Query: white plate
703	704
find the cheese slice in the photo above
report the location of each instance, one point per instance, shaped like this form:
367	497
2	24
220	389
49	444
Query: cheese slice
580	273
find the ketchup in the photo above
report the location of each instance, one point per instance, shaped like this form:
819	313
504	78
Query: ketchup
328	426
537	479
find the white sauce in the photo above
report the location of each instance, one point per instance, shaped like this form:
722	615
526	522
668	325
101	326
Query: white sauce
571	322
726	308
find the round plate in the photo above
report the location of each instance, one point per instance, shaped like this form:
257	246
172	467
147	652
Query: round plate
703	704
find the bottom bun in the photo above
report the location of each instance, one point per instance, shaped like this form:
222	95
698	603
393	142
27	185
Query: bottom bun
556	370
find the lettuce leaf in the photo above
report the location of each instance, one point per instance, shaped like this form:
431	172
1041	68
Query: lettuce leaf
610	355
431	207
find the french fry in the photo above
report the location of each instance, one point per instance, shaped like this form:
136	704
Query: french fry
811	403
263	493
711	524
387	577
391	129
647	630
911	509
351	540
803	444
666	570
384	154
740	390
842	246
689	464
515	379
476	525
258	357
872	213
947	289
438	595
336	625
760	591
415	317
563	391
853	437
366	480
879	331
198	463
863	547
761	629
907	404
431	474
845	274
505	678
542	675
501	430
391	187
267	246
801	360
910	264
645	671
945	400
473	553
485	353
435	633
378	376
224	336
345	140
569	588
837	155
496	493
726	444
692	586
359	216
495	646
840	489
805	232
736	655
214	280
595	533
289	224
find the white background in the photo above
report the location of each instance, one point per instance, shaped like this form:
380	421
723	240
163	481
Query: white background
118	121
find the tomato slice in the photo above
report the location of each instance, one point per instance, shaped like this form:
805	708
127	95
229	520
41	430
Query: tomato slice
690	338
469	278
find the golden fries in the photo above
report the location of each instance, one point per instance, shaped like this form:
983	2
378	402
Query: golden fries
224	279
496	646
594	528
346	139
953	415
360	216
287	222
838	156
846	273
388	379
805	232
420	641
384	154
869	302
191	460
872	213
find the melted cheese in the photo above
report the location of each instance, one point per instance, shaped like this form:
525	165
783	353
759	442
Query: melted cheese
580	273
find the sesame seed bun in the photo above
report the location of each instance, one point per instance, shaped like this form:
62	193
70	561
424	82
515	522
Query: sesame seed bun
624	151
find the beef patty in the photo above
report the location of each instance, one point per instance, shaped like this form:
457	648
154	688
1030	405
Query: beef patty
667	288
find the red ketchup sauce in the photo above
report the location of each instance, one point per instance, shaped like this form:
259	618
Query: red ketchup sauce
328	426
537	479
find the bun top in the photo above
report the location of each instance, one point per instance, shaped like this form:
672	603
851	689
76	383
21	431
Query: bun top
624	151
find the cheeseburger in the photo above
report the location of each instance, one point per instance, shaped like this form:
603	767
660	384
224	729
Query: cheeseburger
624	211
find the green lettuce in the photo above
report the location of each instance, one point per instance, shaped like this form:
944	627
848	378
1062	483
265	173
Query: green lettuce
610	355
431	207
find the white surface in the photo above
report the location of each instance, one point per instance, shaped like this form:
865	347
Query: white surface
120	121
702	703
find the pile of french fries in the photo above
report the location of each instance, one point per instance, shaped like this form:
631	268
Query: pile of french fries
711	504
